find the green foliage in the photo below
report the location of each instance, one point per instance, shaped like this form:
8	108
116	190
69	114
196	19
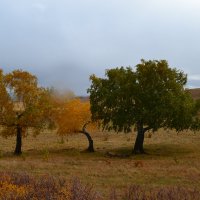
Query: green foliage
152	94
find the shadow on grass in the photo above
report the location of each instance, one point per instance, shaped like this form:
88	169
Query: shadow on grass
168	150
154	151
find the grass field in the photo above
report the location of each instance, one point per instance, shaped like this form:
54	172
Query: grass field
172	160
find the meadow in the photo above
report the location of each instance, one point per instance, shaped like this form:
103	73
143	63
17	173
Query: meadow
172	159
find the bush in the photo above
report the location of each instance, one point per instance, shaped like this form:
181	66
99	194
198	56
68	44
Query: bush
135	192
15	186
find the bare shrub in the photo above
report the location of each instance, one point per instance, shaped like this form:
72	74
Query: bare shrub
15	186
136	192
82	192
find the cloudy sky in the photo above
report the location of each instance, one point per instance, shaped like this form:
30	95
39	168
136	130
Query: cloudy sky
64	41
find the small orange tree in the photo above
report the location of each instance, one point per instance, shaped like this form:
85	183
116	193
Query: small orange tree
73	117
25	105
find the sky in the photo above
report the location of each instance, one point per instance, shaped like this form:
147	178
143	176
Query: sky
63	42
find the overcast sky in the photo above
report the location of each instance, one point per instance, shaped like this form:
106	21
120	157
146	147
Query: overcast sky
62	42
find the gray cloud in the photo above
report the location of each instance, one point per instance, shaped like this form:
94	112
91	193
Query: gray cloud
64	41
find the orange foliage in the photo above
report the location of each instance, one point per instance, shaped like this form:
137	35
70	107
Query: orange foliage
24	187
9	190
72	116
23	103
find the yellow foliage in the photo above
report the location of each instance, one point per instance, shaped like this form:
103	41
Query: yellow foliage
72	116
22	187
10	190
23	103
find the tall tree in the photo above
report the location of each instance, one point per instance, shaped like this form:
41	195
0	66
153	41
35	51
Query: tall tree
74	116
27	106
150	97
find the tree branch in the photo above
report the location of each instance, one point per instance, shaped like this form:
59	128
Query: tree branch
8	125
147	129
85	125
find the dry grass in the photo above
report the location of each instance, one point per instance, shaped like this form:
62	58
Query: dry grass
172	160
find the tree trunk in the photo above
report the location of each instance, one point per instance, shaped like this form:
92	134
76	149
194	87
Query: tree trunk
90	141
138	147
18	148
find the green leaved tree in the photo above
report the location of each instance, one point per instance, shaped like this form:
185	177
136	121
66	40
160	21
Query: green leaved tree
149	97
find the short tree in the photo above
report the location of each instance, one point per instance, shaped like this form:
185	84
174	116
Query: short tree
74	116
150	97
26	106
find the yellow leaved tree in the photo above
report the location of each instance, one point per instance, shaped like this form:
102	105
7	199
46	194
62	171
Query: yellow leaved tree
74	116
4	97
25	106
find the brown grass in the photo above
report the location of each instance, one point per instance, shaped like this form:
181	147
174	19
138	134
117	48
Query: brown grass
172	160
